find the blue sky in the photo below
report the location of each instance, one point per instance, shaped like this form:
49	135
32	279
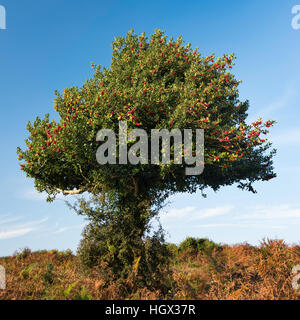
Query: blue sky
49	45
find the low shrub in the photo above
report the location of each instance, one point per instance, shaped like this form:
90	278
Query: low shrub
195	245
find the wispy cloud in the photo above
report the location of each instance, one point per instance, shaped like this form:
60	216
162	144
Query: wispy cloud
241	225
9	229
258	216
288	137
178	213
266	212
9	220
64	229
290	169
15	233
32	194
284	101
192	213
212	212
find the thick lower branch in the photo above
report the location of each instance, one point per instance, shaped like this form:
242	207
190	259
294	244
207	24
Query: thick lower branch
70	191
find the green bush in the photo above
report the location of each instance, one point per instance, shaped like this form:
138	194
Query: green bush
172	248
144	260
24	253
194	245
119	244
48	276
83	295
66	254
27	270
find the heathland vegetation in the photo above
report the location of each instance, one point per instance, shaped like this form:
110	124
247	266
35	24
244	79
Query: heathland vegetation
199	269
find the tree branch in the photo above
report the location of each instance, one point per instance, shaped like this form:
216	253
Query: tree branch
70	191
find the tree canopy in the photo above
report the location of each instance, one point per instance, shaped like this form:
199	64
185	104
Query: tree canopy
152	83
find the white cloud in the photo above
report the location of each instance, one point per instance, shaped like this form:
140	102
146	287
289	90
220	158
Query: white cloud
63	229
10	230
291	169
212	212
259	216
283	211
213	225
9	220
192	213
178	213
15	233
32	194
284	101
288	137
31	223
241	225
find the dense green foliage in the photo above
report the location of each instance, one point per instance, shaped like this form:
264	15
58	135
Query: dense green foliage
156	83
119	245
195	245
